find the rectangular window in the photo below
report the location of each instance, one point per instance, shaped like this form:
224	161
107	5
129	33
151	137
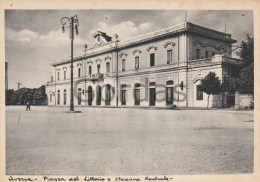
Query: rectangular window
50	97
89	70
213	53
206	54
64	75
152	60
137	62
98	69
199	93
58	76
123	65
107	67
79	72
169	56
197	53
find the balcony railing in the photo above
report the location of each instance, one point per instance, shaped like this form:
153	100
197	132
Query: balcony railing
216	59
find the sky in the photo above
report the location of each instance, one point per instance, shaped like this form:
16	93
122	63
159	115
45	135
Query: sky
34	40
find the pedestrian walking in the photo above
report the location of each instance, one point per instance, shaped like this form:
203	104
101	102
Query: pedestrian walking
28	106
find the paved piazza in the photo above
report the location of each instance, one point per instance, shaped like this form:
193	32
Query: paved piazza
128	141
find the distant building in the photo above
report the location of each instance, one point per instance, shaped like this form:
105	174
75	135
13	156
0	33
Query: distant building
161	68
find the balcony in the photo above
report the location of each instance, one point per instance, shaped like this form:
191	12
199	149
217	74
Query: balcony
95	77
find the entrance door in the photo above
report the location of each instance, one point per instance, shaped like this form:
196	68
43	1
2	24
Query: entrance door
152	97
90	96
169	96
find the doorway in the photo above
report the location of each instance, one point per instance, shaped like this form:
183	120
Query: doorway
90	95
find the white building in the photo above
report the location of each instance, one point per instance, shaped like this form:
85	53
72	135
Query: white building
148	70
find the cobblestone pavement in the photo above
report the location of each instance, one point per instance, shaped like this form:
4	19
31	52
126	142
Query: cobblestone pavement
123	141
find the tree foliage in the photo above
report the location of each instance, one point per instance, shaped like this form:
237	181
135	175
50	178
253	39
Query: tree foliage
21	96
8	95
211	85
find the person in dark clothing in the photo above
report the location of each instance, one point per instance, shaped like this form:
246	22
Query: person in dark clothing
28	106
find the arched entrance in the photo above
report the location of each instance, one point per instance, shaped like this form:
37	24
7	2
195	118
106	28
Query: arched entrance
90	95
108	95
98	95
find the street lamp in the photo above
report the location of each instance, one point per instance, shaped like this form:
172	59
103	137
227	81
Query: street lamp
73	25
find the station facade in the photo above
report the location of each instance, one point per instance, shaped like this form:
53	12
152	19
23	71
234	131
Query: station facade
162	68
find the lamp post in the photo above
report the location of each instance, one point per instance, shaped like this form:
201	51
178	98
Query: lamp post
73	26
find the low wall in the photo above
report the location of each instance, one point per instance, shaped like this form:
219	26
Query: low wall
243	101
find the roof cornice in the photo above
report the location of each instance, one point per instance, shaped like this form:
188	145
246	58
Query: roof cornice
170	31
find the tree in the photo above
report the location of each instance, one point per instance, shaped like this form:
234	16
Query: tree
245	82
211	85
246	53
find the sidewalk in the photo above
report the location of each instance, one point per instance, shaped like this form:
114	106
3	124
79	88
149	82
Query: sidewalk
167	108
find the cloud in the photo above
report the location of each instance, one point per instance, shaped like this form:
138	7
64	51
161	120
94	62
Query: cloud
124	30
23	36
55	38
